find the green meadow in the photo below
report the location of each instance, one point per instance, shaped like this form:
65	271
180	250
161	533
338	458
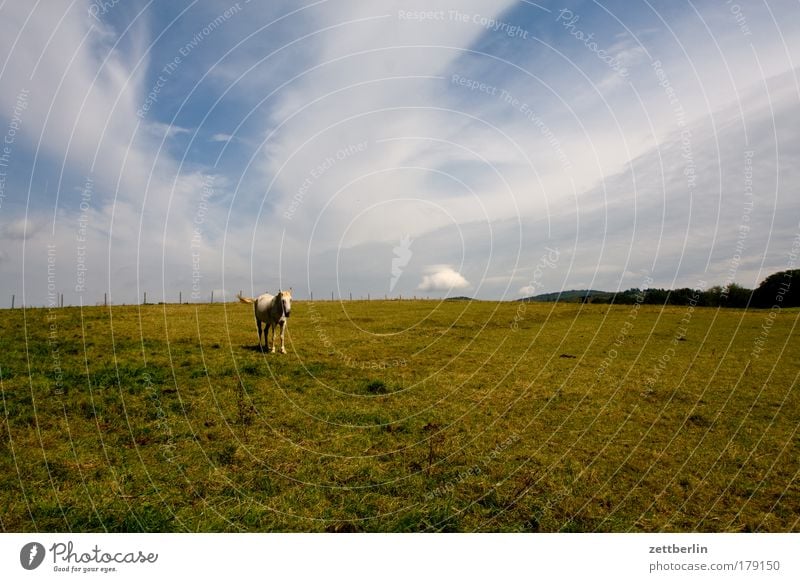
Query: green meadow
400	416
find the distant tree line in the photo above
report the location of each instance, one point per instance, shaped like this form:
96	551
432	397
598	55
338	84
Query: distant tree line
782	289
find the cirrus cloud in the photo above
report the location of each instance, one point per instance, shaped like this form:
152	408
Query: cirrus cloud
21	229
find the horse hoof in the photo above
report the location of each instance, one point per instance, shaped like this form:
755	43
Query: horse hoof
283	350
272	351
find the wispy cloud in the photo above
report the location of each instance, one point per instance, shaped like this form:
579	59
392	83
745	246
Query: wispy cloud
299	143
21	229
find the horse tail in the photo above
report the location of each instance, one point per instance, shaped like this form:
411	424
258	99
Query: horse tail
245	299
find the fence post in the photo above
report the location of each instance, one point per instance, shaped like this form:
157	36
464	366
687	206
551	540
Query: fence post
12	302
351	296
212	296
145	298
180	297
312	296
105	299
331	295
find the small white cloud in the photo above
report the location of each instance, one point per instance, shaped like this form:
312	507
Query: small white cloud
221	137
528	290
165	130
628	52
442	278
20	229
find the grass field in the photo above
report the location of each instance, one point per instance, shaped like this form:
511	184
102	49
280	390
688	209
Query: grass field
400	416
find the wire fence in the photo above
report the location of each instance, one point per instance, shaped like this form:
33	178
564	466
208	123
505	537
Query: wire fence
59	300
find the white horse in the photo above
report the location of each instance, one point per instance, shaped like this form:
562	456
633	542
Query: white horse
272	310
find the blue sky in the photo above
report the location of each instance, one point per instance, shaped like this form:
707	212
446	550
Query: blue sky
429	148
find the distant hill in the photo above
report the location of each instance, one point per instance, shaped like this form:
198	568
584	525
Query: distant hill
573	295
779	290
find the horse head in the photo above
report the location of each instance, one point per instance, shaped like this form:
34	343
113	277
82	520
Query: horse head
285	299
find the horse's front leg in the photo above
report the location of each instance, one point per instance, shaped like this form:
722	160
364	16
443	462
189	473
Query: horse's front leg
283	326
272	330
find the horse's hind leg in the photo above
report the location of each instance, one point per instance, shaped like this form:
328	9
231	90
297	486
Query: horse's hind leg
258	325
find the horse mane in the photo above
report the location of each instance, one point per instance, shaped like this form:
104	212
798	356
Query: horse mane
277	305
